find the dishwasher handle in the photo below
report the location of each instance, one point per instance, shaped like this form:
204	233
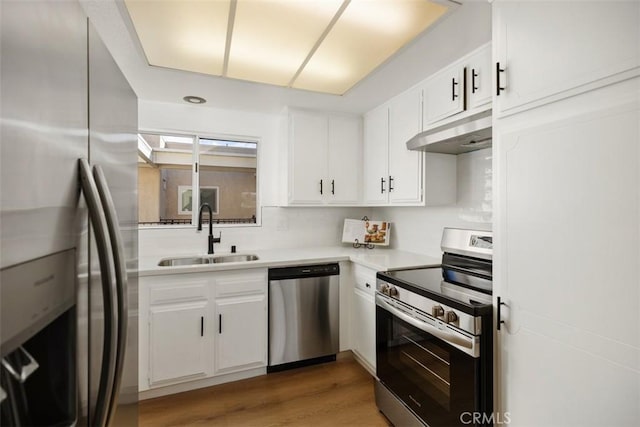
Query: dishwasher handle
300	272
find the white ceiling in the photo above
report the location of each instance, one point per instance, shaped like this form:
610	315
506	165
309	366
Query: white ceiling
464	29
319	45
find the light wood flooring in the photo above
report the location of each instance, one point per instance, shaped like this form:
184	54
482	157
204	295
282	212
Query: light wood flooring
331	394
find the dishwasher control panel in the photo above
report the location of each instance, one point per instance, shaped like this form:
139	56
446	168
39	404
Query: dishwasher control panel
304	271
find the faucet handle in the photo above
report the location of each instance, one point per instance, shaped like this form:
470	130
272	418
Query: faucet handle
218	239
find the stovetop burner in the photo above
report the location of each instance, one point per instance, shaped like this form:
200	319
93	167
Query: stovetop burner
428	282
463	282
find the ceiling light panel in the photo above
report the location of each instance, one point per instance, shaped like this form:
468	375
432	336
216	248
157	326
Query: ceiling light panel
366	35
271	39
187	35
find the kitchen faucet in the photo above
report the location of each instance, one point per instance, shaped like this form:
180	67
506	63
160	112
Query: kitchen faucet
212	239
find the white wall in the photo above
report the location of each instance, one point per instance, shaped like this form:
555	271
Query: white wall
419	229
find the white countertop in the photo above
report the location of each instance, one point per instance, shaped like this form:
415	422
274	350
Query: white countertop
376	259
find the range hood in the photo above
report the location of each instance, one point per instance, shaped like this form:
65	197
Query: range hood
469	134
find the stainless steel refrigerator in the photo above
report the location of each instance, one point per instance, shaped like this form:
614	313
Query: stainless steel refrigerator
68	222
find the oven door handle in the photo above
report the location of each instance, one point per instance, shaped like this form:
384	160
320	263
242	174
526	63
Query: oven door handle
464	343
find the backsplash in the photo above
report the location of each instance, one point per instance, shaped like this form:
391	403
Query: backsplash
281	228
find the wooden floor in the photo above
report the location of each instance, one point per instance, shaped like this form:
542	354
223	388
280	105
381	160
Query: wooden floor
331	394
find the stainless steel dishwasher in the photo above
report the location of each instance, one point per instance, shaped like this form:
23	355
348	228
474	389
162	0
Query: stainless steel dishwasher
304	315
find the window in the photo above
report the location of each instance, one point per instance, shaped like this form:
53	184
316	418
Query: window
208	195
171	166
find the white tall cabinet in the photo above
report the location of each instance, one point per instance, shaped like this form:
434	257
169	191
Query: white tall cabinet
567	212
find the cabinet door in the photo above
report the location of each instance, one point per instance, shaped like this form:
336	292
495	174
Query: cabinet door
178	348
479	73
363	327
444	94
307	157
241	336
345	144
579	161
375	156
552	50
405	166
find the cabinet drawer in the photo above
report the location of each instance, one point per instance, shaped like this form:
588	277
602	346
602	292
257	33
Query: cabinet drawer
365	279
185	292
240	283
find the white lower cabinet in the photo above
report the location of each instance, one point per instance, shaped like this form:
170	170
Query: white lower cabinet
177	346
363	316
182	337
241	340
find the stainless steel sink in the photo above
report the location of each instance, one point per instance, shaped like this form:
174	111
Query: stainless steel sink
233	258
214	259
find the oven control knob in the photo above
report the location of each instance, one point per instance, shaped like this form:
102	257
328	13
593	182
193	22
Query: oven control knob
437	311
450	317
393	291
384	288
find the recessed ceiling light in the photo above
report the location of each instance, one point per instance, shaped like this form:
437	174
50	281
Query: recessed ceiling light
194	99
325	46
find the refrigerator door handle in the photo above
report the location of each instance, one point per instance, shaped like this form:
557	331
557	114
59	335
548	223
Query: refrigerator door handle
121	280
101	232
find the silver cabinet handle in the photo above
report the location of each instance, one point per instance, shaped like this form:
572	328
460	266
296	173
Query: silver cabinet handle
469	345
24	370
101	231
121	281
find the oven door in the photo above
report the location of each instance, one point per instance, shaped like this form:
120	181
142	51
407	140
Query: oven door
433	371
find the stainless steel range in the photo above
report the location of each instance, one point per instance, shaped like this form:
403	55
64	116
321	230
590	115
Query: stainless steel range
434	337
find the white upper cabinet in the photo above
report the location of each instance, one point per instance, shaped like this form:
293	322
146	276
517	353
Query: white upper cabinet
324	158
444	94
393	174
375	154
308	133
344	160
405	180
464	86
554	68
479	81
